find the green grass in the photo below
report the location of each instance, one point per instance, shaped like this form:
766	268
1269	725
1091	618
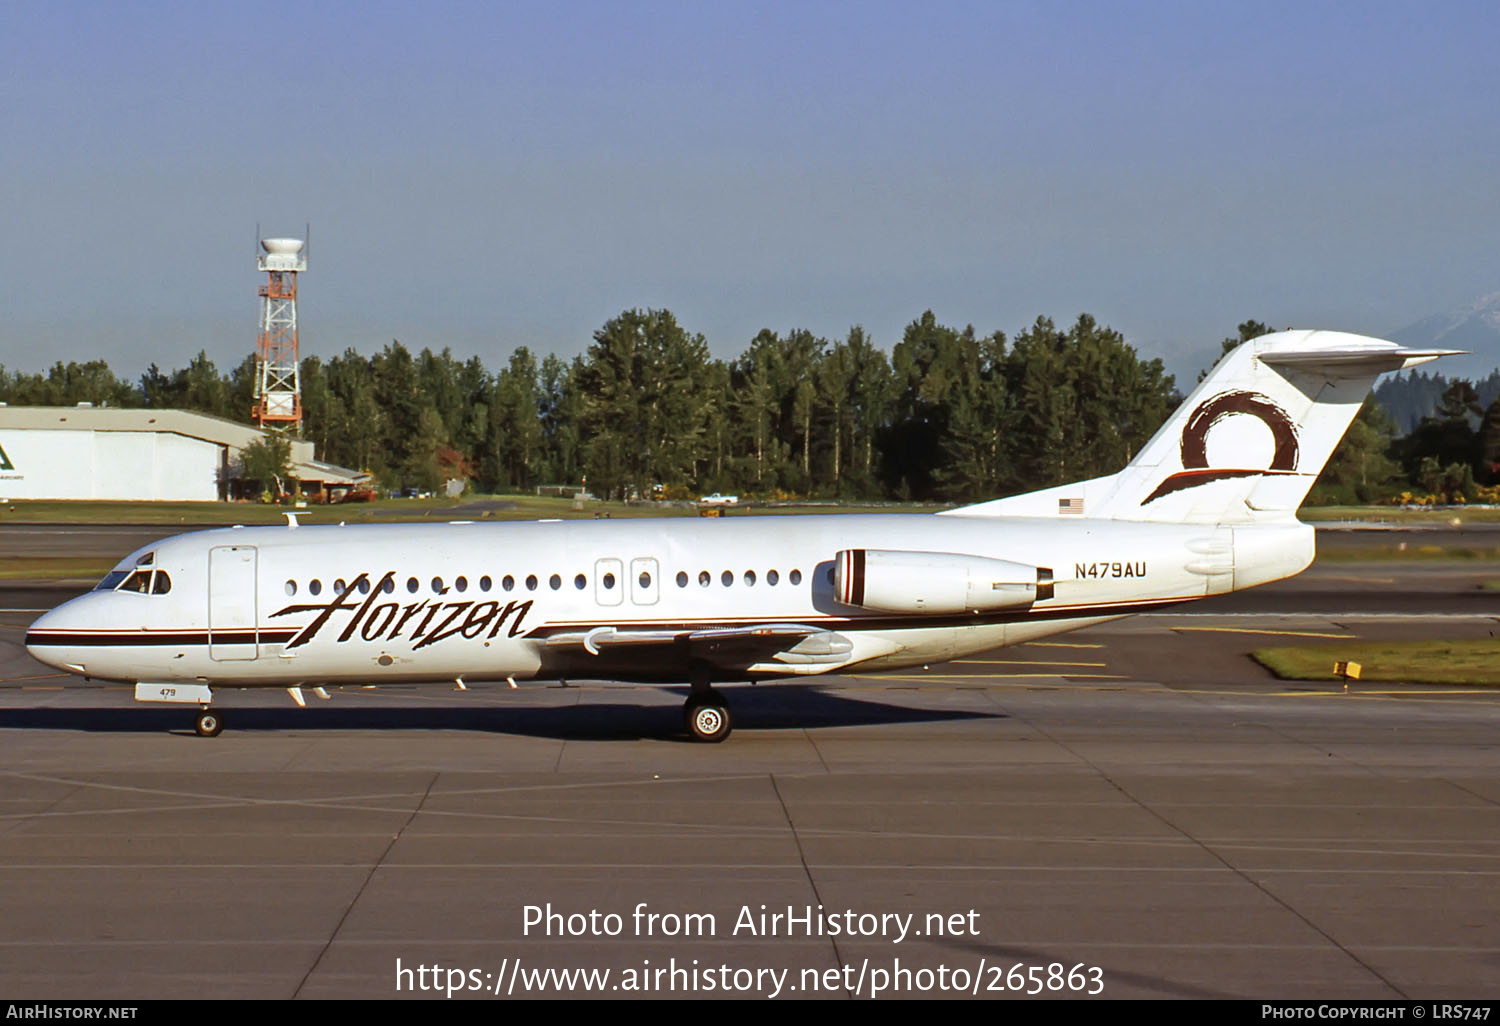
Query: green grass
211	513
55	568
532	507
1397	515
387	511
1404	662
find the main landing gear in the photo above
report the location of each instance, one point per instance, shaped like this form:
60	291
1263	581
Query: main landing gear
706	712
209	723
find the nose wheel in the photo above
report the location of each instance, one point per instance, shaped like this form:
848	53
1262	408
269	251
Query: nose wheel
707	716
209	723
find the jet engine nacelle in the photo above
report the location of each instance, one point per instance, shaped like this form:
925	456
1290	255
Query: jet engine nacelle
935	582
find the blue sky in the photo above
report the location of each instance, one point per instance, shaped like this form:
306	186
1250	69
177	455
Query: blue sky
493	174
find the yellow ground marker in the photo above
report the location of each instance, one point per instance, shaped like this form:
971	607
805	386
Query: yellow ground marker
1060	644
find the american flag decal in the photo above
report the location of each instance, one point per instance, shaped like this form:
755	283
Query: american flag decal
1070	505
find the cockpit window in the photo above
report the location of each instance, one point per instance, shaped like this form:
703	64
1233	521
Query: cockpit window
140	581
146	560
112	580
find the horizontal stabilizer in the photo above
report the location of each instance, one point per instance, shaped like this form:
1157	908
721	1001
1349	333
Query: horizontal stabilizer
1355	360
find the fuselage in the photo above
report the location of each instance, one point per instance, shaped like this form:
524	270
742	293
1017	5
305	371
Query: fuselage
371	604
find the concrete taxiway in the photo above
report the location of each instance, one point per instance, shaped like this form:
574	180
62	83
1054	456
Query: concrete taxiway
1138	799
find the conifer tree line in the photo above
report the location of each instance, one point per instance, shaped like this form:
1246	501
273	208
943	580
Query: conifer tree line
948	415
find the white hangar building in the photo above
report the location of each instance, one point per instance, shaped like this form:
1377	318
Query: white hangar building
88	452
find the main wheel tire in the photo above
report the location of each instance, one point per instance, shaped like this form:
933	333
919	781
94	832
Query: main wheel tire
209	723
708	720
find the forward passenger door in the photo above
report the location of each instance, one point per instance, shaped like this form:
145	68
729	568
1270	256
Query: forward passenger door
233	631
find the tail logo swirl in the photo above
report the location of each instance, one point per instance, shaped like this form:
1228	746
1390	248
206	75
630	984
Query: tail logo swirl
1196	470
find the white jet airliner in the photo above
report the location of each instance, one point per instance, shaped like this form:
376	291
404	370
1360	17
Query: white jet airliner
1208	506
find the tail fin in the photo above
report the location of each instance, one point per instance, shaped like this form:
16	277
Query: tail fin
1249	442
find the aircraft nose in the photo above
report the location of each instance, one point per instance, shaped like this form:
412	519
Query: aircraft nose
46	641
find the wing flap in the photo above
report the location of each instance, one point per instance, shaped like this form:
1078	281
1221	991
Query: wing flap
763	638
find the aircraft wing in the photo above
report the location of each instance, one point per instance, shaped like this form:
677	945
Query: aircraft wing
729	647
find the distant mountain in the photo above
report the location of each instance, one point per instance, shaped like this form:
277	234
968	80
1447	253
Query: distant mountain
1474	328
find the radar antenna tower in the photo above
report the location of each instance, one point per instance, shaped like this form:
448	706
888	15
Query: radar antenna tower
278	387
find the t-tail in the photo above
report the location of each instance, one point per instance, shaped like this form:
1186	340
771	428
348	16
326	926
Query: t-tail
1246	446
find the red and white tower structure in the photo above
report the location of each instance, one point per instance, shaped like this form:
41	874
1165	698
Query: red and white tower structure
278	387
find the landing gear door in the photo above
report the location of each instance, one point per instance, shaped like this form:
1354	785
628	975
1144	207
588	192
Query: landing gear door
233	632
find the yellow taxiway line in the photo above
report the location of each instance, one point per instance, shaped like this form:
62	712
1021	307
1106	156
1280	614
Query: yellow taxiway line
1016	662
1416	691
1256	630
992	676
